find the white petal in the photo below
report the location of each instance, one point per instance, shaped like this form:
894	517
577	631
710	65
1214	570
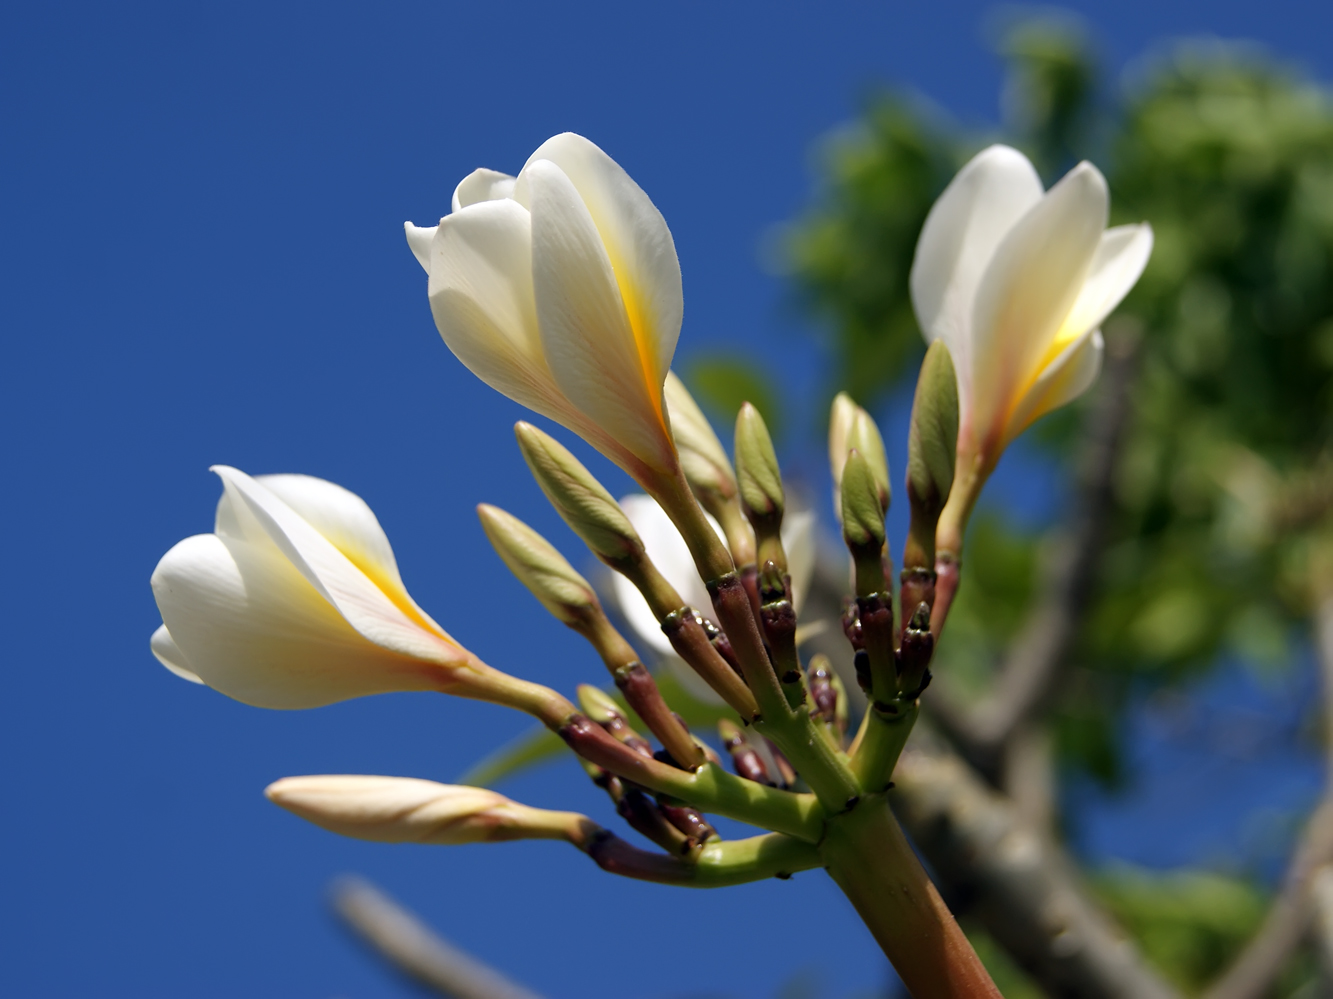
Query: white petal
602	363
482	299
1026	293
168	653
482	185
367	608
342	517
251	626
668	551
419	240
387	809
975	212
481	295
1119	261
1068	377
638	243
798	539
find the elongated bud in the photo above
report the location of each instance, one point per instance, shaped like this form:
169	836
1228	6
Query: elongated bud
862	516
543	570
578	497
757	470
702	457
406	810
841	418
932	444
864	437
707	468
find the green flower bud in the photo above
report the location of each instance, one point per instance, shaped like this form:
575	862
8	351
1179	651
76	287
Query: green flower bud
862	516
757	470
543	570
599	706
932	444
841	418
932	441
578	497
702	457
864	436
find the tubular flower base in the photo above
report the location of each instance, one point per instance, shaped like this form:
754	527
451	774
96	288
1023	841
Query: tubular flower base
560	288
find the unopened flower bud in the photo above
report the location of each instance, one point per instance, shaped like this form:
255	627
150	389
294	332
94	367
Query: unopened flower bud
862	516
841	418
567	595
578	497
702	458
757	470
864	437
406	810
932	443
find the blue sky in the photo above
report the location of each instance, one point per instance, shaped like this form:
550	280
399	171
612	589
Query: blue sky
203	262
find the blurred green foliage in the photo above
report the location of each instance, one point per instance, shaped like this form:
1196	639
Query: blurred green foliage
1189	923
1230	156
1224	477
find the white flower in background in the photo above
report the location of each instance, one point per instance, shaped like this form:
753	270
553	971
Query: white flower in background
561	288
295	601
667	550
408	810
1017	282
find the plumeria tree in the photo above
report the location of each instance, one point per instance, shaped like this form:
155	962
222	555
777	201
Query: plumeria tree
560	287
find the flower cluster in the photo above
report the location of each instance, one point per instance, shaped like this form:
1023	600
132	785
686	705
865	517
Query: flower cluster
560	287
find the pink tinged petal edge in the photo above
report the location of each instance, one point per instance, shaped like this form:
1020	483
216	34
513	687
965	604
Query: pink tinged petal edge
588	339
965	225
1027	291
360	602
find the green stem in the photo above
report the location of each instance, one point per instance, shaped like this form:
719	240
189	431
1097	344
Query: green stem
881	743
810	752
870	859
710	788
718	865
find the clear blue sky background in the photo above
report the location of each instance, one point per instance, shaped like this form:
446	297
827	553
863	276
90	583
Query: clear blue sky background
201	210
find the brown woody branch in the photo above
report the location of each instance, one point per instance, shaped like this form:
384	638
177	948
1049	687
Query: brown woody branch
1289	918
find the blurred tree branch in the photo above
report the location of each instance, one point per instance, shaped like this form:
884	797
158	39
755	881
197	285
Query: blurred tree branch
1289	918
1016	881
414	949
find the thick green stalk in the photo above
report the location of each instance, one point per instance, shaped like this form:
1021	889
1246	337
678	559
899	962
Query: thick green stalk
881	743
870	859
717	865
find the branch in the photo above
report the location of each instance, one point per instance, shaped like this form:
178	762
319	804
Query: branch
412	948
1289	916
1032	666
1022	887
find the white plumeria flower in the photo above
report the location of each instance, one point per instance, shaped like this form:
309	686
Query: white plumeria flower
1017	282
667	550
295	601
561	288
408	810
